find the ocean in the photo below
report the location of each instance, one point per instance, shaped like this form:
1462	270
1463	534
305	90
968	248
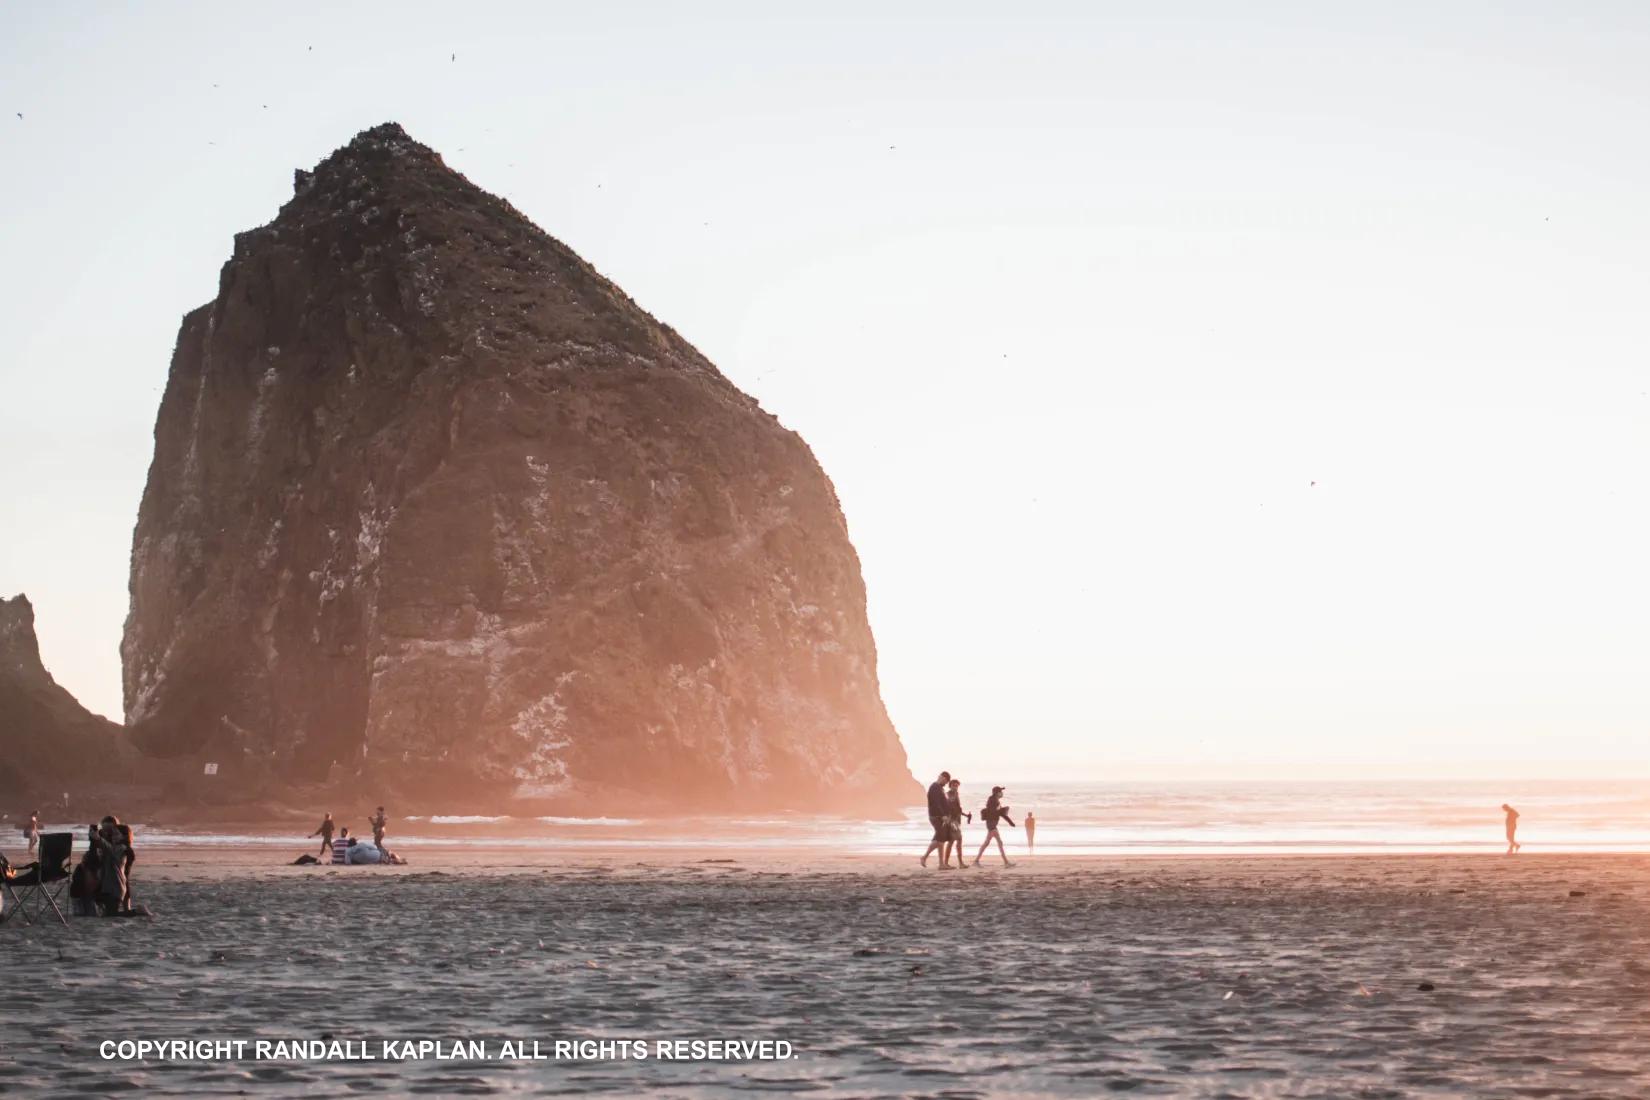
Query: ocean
1085	818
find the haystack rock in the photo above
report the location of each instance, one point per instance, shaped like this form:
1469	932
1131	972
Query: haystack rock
435	505
49	743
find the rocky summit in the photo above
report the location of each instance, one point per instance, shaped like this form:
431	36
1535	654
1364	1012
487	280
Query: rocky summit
435	505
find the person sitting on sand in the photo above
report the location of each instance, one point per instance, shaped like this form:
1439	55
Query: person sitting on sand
362	852
993	812
83	882
1031	833
112	852
936	817
1512	829
340	847
378	821
953	825
325	833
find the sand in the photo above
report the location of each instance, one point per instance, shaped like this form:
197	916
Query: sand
1058	977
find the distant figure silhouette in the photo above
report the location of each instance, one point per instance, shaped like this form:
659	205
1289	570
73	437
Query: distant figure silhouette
378	822
937	809
1512	829
994	812
1031	832
32	831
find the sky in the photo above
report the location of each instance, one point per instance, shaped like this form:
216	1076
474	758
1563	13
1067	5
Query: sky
1212	390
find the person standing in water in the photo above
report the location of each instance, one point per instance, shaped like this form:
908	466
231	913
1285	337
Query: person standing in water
32	832
936	817
378	821
1031	833
953	825
1512	829
994	812
325	833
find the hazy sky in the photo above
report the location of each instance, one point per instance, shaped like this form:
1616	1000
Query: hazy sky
1074	303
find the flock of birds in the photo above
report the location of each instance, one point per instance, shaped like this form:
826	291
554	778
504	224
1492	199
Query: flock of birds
307	49
452	58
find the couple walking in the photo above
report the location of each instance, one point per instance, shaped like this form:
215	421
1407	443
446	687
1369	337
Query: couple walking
946	814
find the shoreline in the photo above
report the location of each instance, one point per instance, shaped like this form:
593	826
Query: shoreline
164	862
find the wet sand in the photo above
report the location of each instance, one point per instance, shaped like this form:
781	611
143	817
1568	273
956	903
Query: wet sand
1060	977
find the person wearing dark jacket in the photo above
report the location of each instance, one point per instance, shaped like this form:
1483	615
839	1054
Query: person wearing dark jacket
993	812
937	810
325	833
83	884
113	846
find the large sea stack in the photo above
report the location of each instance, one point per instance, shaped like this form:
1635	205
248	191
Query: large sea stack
437	506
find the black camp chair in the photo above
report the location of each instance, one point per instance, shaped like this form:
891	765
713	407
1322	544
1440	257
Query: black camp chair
41	884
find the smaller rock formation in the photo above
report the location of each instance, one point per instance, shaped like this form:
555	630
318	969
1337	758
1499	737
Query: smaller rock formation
49	743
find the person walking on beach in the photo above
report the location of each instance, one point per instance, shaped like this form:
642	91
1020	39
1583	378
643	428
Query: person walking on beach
953	825
31	832
936	817
378	821
994	812
1512	829
325	833
1031	833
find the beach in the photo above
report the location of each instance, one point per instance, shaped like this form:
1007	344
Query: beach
1347	975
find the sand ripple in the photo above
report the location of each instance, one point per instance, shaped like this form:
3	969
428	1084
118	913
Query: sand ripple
1234	977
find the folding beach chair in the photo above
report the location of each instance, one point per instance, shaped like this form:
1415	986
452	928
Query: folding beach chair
41	884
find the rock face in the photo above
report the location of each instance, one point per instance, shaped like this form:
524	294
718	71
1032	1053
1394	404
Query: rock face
49	743
434	502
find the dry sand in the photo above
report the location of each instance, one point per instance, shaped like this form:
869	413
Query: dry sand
1060	977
